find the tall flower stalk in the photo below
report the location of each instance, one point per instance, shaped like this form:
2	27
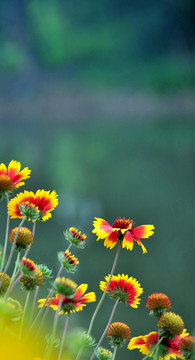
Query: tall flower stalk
50	294
104	293
6	239
63	336
106	328
12	250
24	313
114	352
14	273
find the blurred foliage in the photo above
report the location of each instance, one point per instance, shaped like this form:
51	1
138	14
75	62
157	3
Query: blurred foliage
106	43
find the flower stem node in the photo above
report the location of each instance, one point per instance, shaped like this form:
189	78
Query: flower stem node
65	287
75	237
46	271
103	354
119	333
68	261
5	284
170	324
24	238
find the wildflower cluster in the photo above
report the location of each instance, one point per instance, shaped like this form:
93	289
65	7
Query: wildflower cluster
22	326
166	343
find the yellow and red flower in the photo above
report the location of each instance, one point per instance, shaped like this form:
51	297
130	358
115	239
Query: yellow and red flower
187	347
70	304
12	177
39	204
187	343
126	289
121	230
168	348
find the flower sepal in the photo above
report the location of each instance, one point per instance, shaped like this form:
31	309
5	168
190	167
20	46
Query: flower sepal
46	271
87	340
187	355
157	312
52	341
75	237
65	287
166	334
31	212
68	261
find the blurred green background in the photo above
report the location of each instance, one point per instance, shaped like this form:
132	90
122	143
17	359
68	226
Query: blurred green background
97	100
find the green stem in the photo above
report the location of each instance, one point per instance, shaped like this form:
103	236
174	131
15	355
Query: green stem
114	353
104	293
33	232
153	349
63	336
79	353
50	294
34	302
55	323
24	313
16	266
42	308
12	250
14	272
13	285
107	326
6	239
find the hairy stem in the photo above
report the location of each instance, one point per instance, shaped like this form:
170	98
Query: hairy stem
6	239
107	326
63	336
104	293
12	250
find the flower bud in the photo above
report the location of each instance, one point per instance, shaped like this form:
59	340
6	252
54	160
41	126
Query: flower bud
75	237
158	303
5	284
65	287
119	333
68	261
103	354
171	324
24	238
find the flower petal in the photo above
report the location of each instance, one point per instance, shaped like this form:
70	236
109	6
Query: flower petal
111	240
128	241
143	231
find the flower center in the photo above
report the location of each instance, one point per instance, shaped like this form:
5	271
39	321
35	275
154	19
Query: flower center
122	223
6	183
